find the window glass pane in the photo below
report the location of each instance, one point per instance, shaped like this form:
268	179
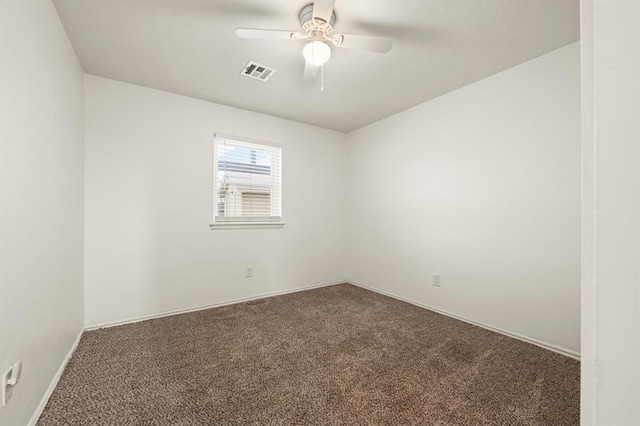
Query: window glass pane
247	180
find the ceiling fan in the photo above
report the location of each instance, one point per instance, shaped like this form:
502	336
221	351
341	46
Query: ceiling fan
317	20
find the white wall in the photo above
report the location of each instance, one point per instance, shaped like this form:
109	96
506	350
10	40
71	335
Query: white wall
41	187
481	185
149	202
610	385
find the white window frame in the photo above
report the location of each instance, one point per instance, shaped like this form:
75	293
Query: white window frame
221	222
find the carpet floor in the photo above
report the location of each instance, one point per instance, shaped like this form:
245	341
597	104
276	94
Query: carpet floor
333	355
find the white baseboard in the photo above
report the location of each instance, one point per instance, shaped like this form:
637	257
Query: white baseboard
563	351
54	382
209	306
548	346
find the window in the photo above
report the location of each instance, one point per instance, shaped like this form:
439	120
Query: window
247	184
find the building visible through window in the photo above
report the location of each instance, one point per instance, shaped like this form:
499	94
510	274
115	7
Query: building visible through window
247	181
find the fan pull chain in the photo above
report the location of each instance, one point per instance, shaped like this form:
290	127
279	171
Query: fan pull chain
322	78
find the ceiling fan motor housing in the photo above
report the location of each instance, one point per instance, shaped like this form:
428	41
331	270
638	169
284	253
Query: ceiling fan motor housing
316	29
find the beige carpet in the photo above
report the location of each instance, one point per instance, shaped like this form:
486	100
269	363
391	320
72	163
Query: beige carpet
335	355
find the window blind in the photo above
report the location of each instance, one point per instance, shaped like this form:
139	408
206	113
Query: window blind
247	181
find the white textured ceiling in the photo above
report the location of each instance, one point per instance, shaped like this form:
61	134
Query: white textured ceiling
190	48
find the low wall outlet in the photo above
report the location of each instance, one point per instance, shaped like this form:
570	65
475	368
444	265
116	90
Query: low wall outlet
10	379
436	280
249	271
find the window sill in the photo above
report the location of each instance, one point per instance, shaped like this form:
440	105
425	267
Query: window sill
245	225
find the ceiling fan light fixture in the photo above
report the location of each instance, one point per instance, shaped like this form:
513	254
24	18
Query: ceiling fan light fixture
316	53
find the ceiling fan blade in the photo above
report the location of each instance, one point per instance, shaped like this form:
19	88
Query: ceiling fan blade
322	9
354	41
310	71
272	34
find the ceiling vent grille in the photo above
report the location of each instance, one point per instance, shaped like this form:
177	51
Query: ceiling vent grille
257	71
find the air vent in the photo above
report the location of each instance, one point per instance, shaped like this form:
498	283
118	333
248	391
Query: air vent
257	71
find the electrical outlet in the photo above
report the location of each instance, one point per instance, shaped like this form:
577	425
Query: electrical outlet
436	280
248	271
10	379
